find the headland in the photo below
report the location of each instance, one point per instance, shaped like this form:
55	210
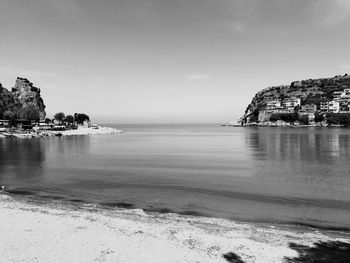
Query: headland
323	102
23	115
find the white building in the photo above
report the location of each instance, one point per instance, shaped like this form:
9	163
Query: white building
334	106
271	105
291	103
308	108
346	94
324	106
337	95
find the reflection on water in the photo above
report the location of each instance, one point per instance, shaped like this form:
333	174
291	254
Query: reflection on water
263	174
309	144
310	163
21	160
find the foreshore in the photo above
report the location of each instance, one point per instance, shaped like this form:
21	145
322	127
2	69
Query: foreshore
57	232
79	131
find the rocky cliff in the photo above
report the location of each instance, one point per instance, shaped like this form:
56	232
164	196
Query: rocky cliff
23	101
310	92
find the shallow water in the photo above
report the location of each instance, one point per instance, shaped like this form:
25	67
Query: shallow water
276	175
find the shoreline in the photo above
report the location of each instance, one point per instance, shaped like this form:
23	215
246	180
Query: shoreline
286	126
80	131
47	232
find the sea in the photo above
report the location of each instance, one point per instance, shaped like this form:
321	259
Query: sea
288	176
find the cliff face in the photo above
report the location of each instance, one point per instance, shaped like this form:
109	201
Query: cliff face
23	98
311	92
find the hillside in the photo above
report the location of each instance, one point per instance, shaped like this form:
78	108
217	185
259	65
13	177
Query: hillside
312	96
23	101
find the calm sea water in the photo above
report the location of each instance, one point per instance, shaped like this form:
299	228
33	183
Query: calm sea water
275	175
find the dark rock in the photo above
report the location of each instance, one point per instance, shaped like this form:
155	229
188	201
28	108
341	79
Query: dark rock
232	257
322	252
22	95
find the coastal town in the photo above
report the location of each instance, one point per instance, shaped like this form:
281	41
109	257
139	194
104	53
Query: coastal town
320	102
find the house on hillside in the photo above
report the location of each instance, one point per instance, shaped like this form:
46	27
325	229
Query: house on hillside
344	106
337	95
291	103
271	105
308	108
324	106
346	94
334	106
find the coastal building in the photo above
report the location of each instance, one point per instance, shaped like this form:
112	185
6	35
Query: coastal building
4	123
291	103
42	126
337	95
308	108
273	105
324	106
344	106
334	106
310	115
346	94
24	124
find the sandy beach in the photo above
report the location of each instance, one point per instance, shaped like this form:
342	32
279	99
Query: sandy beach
57	232
91	131
80	131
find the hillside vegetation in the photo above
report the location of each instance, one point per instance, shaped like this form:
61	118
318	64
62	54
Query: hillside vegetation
22	102
314	98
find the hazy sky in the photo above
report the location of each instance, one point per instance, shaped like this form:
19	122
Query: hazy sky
168	60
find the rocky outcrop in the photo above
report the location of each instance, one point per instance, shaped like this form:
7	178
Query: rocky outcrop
7	101
23	97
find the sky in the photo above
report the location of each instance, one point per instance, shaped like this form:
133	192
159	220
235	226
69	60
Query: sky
123	61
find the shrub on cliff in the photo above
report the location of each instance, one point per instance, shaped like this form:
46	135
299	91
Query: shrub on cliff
304	119
287	117
338	119
319	117
274	117
29	112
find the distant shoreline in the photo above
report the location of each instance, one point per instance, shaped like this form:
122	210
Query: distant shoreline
80	131
287	125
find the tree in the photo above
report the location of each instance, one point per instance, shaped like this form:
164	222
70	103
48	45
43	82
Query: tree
304	119
338	119
274	118
81	117
69	119
48	121
59	117
319	117
29	112
9	115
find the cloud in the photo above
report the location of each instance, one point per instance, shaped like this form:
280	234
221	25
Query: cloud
197	76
